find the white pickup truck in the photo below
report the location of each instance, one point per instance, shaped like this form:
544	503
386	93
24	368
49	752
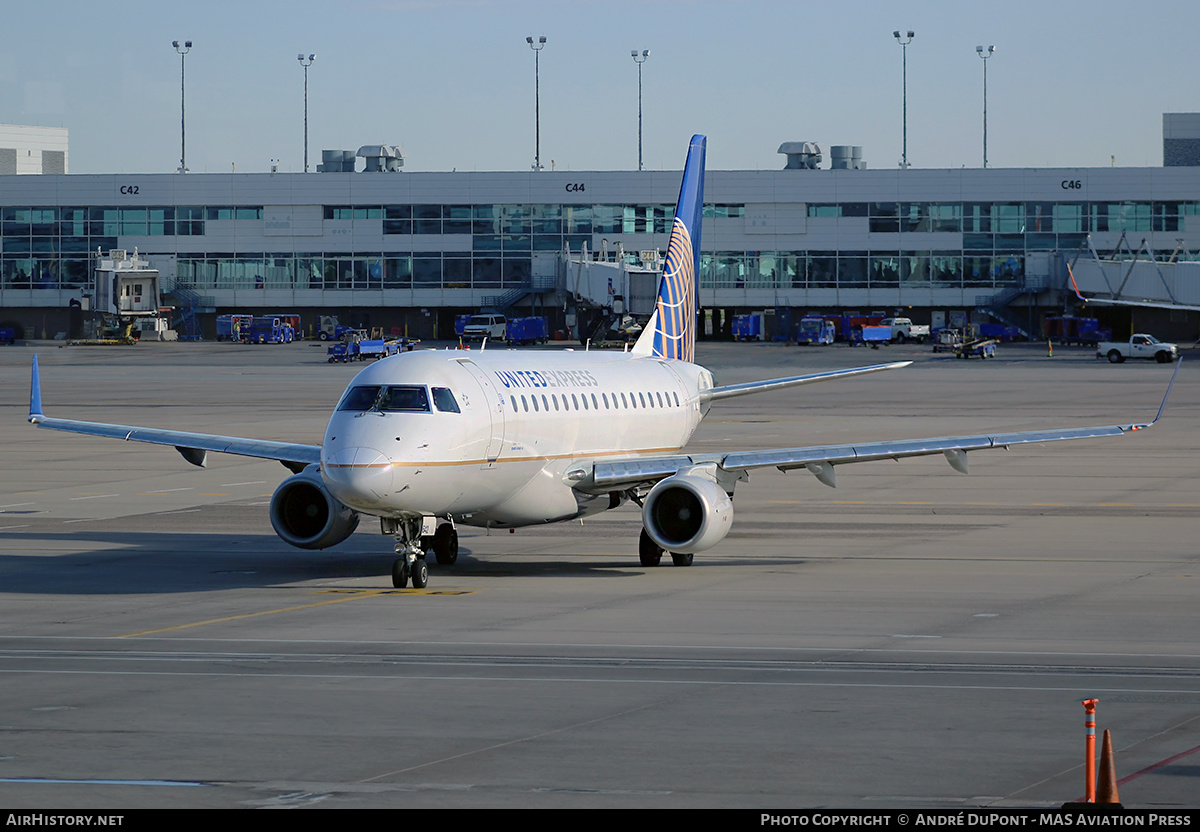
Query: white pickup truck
903	329
1140	345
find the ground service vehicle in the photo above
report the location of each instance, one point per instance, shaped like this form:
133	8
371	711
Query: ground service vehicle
903	329
1140	345
479	327
815	331
527	330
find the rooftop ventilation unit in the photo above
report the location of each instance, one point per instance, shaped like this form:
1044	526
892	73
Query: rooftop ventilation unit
336	161
801	155
847	157
381	158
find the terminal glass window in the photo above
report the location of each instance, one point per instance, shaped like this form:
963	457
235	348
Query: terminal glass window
577	219
945	269
1008	218
1070	217
607	219
456	219
885	217
977	217
829	210
189	221
427	219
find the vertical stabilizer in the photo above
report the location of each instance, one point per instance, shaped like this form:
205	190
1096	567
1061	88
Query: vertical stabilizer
671	332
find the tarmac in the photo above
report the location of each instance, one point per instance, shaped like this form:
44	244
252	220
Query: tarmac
914	638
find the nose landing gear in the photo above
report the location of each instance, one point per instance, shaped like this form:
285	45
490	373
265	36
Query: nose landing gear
410	557
412	547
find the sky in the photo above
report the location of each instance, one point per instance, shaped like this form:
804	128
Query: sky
1071	83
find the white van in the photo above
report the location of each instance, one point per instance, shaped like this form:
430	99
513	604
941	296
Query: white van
479	327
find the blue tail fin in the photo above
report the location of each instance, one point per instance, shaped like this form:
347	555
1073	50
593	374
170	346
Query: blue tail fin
672	330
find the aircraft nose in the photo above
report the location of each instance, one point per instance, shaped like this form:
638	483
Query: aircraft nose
359	477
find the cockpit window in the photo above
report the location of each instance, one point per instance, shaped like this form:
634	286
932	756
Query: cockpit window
398	398
445	401
404	398
359	398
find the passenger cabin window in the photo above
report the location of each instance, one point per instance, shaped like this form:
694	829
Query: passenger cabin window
445	402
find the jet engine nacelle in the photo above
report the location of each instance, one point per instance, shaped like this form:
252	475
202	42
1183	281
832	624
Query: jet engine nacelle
307	516
687	513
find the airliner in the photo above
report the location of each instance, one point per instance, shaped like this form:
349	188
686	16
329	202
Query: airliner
432	439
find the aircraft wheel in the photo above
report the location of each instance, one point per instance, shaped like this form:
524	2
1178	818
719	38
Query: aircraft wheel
399	573
681	559
648	551
420	574
445	545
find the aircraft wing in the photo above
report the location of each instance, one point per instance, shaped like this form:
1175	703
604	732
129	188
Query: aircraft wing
612	475
193	446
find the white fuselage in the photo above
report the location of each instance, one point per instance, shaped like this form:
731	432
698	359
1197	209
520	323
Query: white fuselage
397	448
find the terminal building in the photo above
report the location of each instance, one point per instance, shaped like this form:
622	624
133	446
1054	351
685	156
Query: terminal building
381	247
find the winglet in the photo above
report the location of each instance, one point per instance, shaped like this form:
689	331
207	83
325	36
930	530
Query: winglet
35	395
1162	406
1075	285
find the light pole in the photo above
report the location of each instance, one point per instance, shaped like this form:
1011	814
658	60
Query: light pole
182	50
306	63
985	54
639	59
904	50
537	100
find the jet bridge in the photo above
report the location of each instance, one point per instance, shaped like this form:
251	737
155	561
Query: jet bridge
124	286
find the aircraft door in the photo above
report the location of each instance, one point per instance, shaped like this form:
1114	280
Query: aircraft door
494	400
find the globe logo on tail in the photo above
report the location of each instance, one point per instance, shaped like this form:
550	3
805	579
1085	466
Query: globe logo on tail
676	336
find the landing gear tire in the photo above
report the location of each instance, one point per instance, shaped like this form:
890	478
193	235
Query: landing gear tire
445	545
399	573
681	558
420	574
648	551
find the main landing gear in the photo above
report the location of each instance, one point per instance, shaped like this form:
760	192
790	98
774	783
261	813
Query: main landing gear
650	553
411	548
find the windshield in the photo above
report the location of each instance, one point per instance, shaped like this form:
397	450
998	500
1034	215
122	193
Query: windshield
396	398
359	398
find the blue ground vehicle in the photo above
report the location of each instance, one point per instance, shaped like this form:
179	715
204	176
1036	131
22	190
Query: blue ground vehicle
748	327
233	327
527	331
268	329
815	331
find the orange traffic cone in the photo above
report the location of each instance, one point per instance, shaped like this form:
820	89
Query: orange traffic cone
1106	791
